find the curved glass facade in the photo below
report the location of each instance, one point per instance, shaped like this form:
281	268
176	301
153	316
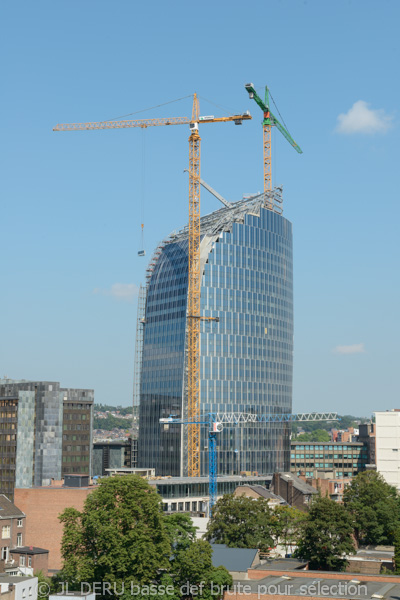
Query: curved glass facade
246	358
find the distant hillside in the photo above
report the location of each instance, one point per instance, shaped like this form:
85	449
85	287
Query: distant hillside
345	422
111	422
123	410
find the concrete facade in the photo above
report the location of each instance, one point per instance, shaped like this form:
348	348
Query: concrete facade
388	446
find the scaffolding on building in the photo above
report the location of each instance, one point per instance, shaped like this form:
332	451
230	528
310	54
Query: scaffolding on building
141	313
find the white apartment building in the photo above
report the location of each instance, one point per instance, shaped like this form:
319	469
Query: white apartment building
388	446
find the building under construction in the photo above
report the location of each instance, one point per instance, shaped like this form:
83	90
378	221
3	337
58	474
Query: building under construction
246	351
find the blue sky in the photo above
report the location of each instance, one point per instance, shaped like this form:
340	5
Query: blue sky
72	203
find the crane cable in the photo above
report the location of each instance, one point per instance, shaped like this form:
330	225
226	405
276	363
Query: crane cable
143	191
150	108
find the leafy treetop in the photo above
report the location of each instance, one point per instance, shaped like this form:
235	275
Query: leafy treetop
375	508
327	535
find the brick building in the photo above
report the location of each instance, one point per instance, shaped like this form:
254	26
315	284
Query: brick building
294	490
259	491
30	559
42	506
326	482
12	530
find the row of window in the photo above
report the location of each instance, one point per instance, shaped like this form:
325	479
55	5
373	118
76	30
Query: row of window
185	506
75	416
6	532
331	465
335	447
74	459
354	456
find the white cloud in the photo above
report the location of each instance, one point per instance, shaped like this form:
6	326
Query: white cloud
353	349
362	119
120	291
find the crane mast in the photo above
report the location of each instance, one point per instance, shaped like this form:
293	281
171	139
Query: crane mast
268	122
194	273
194	287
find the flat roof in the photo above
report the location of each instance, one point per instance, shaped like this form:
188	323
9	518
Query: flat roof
327	443
28	550
221	479
316	585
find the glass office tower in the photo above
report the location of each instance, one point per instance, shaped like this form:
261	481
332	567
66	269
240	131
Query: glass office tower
246	358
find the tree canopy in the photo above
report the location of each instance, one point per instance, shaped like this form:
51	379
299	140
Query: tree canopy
287	526
118	537
319	435
121	538
375	508
241	522
327	534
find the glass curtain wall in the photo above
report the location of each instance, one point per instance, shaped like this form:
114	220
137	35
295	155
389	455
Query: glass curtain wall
246	358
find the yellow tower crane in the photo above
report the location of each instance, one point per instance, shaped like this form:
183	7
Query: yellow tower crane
194	278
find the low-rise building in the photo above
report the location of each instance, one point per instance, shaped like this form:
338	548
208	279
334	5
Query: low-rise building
259	491
236	560
28	560
327	483
114	454
18	587
12	529
42	506
345	458
294	490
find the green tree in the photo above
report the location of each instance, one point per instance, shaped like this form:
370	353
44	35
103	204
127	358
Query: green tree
327	535
110	422
397	551
119	537
44	585
319	435
375	508
192	572
181	533
287	526
241	522
194	568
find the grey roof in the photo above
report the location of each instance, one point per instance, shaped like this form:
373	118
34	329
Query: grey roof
8	510
282	564
316	585
28	550
233	559
220	479
264	492
298	483
5	578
